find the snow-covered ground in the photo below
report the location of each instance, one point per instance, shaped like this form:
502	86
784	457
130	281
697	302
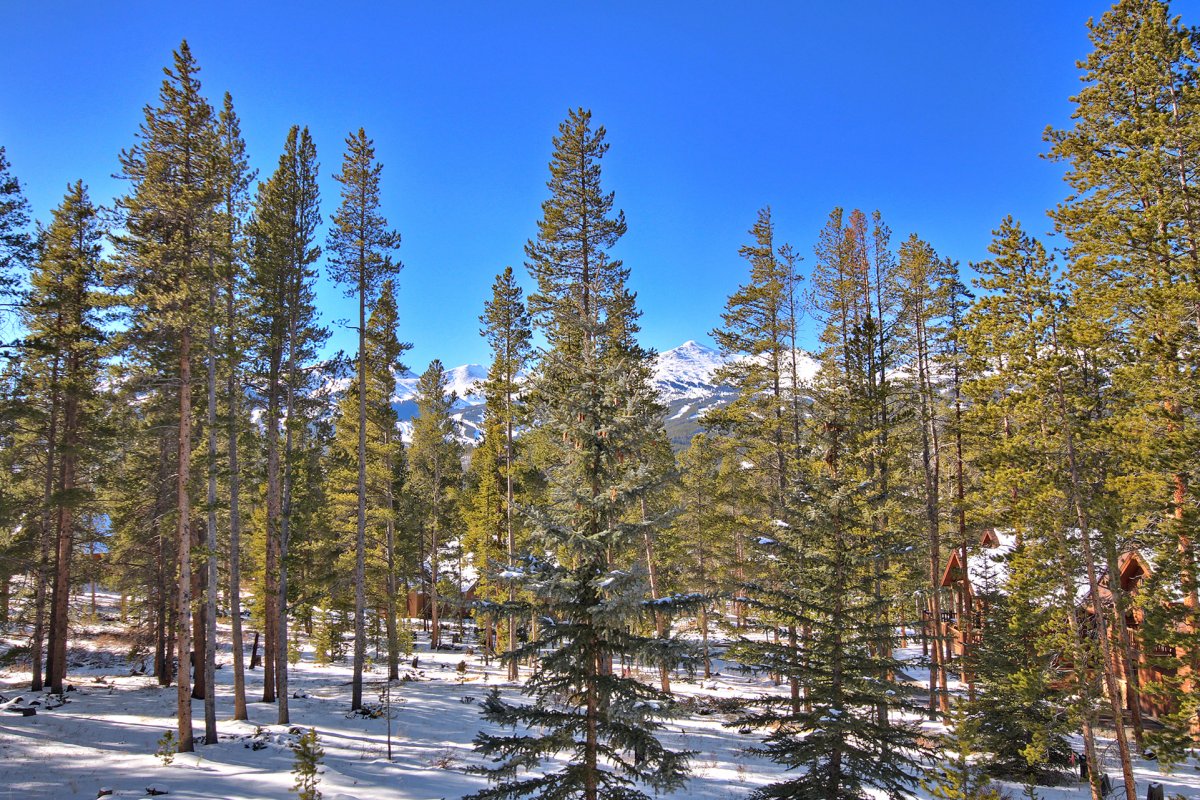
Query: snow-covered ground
107	734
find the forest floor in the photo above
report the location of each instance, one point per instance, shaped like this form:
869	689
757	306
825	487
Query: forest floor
107	733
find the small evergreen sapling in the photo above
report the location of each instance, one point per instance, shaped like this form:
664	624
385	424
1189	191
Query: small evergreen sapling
309	755
958	778
167	748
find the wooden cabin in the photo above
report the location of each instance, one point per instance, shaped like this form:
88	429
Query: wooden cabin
971	580
1133	568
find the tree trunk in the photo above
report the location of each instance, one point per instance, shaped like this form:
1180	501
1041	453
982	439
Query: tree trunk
1128	660
199	622
360	538
232	392
184	536
38	643
513	668
274	511
66	530
210	561
285	532
393	636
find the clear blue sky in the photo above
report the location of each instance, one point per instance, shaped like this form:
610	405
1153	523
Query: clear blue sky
931	112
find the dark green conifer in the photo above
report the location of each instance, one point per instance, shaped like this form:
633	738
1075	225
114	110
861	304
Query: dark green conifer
16	244
586	398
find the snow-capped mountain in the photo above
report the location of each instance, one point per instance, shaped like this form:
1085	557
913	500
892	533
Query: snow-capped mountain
686	372
468	407
684	376
463	381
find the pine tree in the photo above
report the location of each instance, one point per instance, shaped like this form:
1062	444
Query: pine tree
761	320
485	536
586	400
361	245
846	735
434	474
1029	391
283	255
16	245
923	280
388	465
759	338
508	331
164	251
1134	249
63	343
232	247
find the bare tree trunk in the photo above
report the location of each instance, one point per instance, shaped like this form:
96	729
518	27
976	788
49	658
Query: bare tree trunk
210	539
393	637
513	668
591	743
285	533
38	643
184	534
66	533
199	626
435	632
360	539
235	520
274	512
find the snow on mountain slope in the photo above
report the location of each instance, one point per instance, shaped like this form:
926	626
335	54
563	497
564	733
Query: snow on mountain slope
686	371
685	377
460	380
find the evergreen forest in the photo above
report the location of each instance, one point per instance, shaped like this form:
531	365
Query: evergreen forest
953	545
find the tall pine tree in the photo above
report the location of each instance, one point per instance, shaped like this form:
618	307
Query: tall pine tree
585	398
361	246
163	254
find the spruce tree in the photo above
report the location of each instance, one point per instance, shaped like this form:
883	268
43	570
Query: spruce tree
585	399
361	246
1021	728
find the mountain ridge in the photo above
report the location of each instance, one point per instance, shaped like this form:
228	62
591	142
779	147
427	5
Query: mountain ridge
683	375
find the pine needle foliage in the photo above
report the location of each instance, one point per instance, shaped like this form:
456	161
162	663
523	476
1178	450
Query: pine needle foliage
588	399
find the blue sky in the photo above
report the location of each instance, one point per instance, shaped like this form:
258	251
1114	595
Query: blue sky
931	112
